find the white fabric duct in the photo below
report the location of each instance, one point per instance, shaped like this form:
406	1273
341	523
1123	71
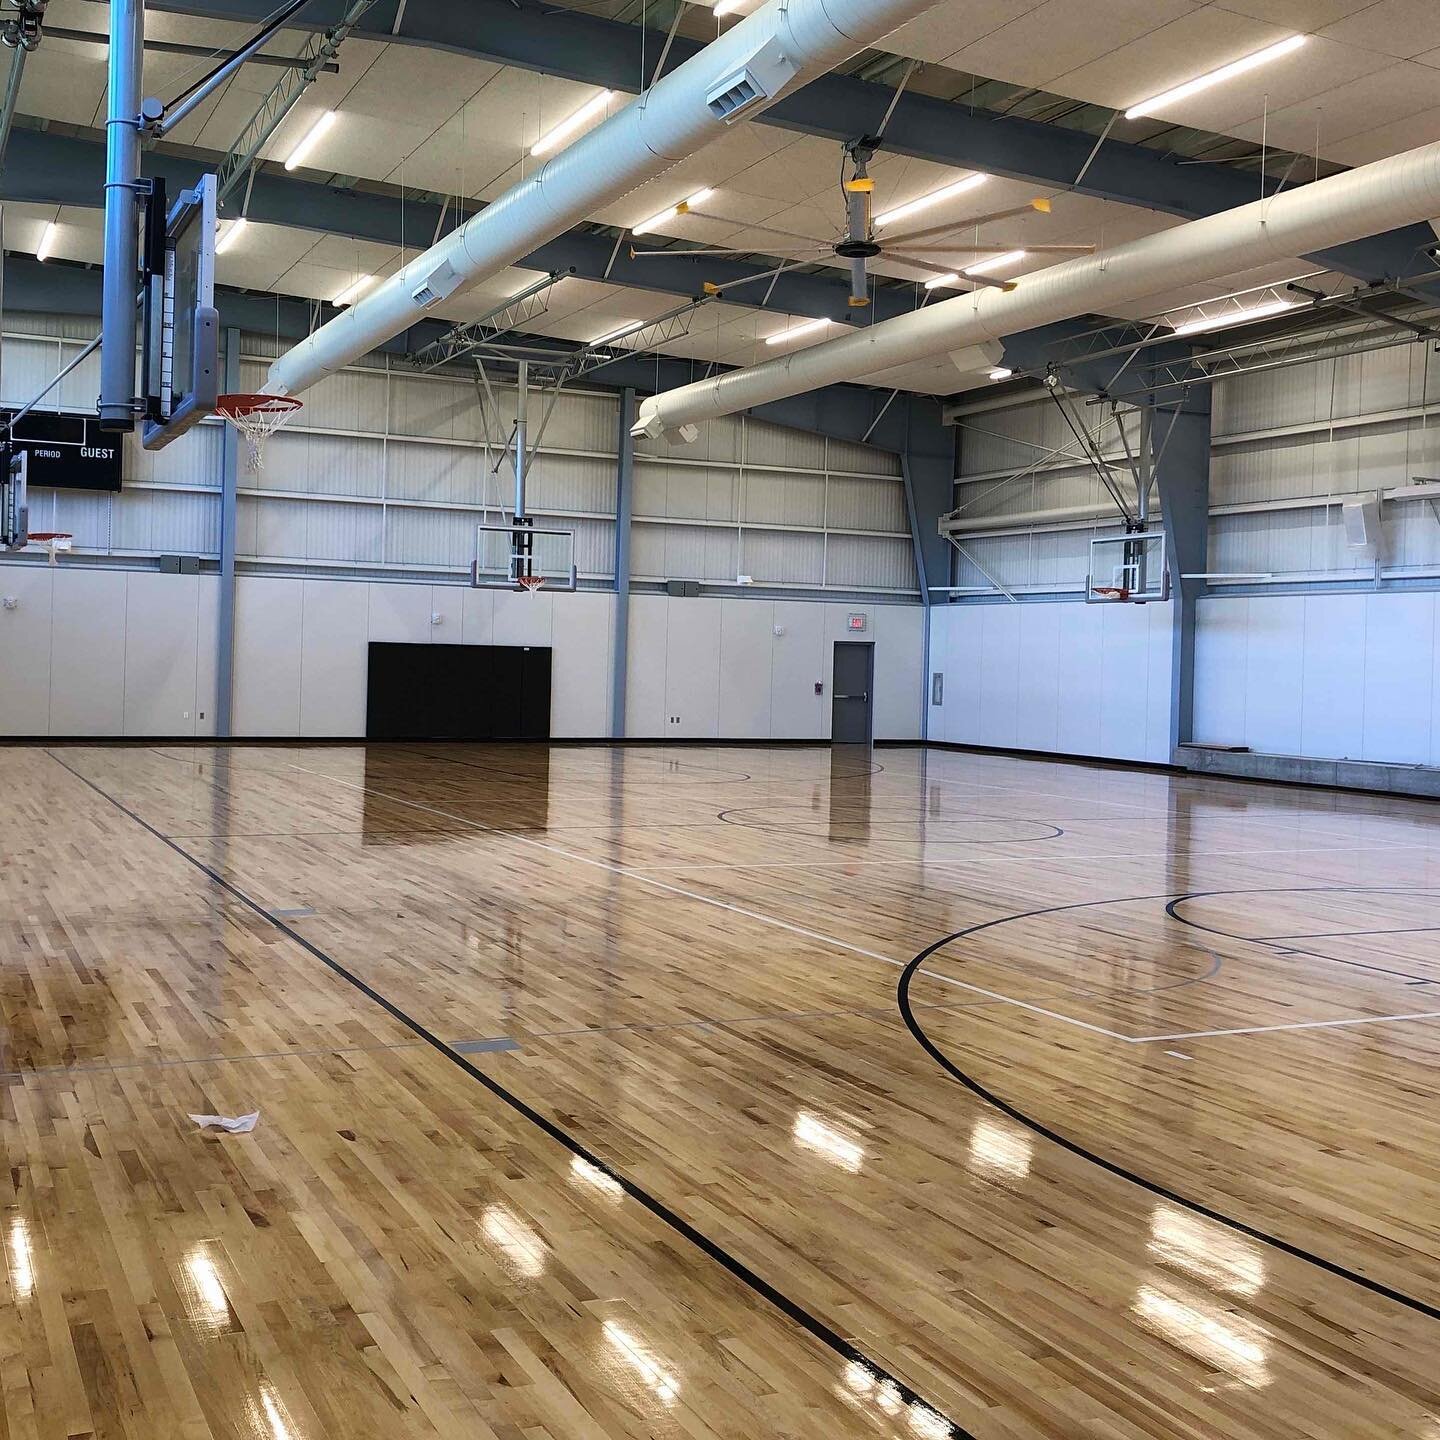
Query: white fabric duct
779	48
1402	190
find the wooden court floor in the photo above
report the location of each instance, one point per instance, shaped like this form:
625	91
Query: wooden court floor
712	1092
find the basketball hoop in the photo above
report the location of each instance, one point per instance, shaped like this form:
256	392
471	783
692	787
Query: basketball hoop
1110	592
530	584
55	544
257	418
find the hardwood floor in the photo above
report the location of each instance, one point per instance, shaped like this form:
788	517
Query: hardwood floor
589	1107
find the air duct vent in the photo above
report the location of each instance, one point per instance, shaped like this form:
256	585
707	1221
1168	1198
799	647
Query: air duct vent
761	76
439	285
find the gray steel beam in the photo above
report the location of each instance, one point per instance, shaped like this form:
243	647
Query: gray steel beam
533	35
841	412
45	168
624	509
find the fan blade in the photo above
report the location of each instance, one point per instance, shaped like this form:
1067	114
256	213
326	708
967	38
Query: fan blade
759	229
999	249
905	258
751	250
973	222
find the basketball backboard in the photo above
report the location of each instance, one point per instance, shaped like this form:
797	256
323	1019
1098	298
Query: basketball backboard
1128	569
505	554
181	334
14	505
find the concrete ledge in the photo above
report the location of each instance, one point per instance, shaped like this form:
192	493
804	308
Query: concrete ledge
1421	780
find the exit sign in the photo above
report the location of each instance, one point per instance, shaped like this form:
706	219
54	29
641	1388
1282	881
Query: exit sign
859	622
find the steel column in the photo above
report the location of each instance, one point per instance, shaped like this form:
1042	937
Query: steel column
1181	457
225	608
624	507
119	322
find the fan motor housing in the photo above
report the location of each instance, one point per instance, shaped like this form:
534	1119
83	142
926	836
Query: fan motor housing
857	249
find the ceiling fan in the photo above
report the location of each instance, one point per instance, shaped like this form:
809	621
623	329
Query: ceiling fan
861	243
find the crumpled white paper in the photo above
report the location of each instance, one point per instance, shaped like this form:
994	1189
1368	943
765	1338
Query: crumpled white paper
232	1124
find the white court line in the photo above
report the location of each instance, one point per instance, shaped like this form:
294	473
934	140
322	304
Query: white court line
1048	859
1300	1025
725	905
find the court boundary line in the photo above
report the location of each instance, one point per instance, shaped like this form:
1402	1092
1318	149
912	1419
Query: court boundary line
792	1310
1111	1167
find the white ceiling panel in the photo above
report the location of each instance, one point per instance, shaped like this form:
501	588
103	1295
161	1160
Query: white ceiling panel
1403	28
1060	36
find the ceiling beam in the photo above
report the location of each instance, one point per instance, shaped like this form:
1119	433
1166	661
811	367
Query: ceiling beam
532	35
840	412
46	168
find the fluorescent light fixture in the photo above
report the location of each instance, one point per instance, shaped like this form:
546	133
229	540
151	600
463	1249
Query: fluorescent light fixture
311	139
698	198
727	7
936	197
1001	373
1215	77
47	241
938	280
627	329
354	290
809	327
231	232
1234	317
566	128
995	262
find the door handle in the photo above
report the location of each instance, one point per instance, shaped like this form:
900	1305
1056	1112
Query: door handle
865	696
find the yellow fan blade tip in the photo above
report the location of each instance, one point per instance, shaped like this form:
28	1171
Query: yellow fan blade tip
1043	206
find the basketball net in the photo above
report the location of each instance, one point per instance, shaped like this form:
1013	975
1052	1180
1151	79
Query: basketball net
257	418
55	545
531	584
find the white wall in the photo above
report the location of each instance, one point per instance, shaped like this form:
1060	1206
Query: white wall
1068	678
106	652
1340	676
131	653
717	668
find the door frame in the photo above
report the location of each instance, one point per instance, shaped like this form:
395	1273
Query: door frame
869	647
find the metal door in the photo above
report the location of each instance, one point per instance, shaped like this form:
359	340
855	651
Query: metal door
852	702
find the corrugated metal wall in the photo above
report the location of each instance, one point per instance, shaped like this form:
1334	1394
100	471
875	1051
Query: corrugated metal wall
1291	445
388	470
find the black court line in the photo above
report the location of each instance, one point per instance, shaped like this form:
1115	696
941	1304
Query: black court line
1273	942
732	817
791	1309
1111	1167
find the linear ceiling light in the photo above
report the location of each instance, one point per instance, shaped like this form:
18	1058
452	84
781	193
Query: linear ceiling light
629	328
47	241
1215	77
807	327
995	262
1234	317
936	197
683	208
566	128
310	140
1001	373
727	7
231	232
935	282
353	291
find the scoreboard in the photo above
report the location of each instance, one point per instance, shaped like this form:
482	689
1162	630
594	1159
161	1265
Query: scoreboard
69	452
